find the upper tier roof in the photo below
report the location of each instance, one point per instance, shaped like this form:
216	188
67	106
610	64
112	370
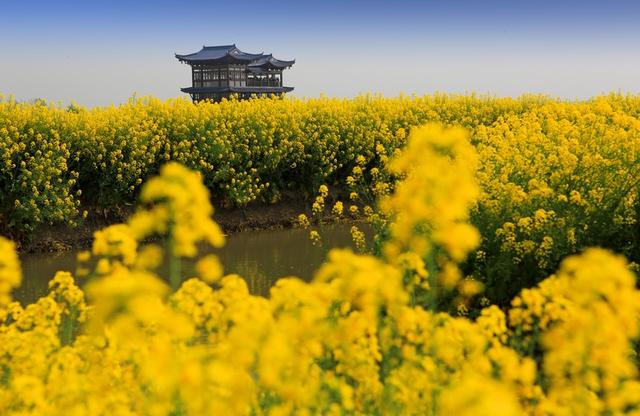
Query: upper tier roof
231	54
219	53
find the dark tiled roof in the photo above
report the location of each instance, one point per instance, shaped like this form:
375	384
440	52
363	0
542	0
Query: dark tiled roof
216	53
230	53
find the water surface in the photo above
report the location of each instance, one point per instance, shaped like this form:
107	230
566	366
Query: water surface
261	257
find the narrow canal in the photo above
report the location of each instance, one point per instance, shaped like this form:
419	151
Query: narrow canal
261	257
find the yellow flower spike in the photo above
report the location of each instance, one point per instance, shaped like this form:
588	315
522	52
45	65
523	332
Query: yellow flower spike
113	294
149	257
182	205
449	276
315	238
303	221
431	194
337	209
358	238
115	241
10	272
209	268
470	287
83	256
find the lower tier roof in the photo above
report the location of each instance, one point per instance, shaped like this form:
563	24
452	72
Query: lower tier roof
256	90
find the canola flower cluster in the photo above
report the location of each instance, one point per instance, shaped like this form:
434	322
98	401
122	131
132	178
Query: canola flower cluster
353	341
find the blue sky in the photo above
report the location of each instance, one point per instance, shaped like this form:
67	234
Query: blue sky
100	53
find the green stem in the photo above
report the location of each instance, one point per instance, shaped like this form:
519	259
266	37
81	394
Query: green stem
175	268
175	264
66	329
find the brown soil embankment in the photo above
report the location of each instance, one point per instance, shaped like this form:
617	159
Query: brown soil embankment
256	216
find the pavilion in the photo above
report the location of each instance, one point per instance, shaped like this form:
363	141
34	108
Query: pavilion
222	71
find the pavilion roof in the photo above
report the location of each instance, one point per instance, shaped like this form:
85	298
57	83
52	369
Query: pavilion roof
230	53
219	53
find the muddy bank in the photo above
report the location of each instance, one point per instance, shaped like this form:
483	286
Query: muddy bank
255	216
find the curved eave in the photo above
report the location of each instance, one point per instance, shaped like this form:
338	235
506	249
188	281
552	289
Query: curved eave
270	65
221	60
183	58
281	62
